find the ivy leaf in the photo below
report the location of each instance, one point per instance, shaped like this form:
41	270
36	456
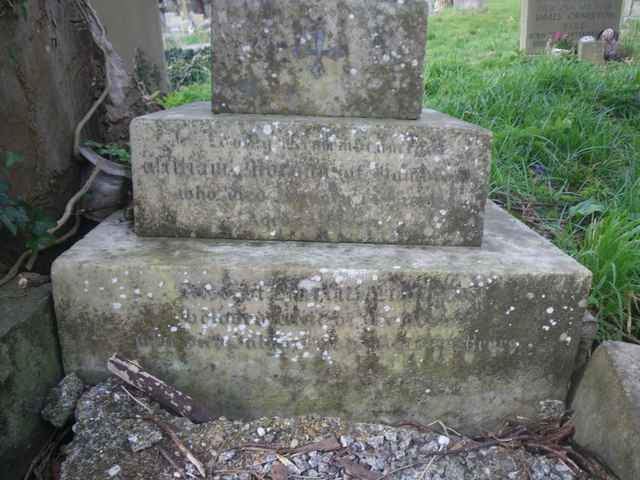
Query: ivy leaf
12	159
40	243
586	208
13	217
41	225
6	221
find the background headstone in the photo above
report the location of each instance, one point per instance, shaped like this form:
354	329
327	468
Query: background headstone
591	51
631	10
540	19
469	4
135	32
332	58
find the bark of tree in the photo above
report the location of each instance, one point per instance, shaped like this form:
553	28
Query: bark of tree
51	73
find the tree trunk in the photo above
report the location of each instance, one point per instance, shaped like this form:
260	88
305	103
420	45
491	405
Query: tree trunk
51	73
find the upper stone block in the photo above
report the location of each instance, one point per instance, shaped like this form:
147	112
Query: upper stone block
341	58
268	177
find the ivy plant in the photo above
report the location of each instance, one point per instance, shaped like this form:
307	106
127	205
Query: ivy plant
19	217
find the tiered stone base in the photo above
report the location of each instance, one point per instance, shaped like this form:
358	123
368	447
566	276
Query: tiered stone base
368	332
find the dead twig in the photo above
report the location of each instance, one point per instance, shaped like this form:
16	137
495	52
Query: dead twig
29	253
171	434
72	202
181	446
169	459
43	458
357	470
146	407
15	269
327	445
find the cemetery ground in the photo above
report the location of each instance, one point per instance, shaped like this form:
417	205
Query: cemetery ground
566	153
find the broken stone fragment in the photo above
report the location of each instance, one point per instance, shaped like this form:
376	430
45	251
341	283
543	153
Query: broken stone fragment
143	435
607	407
551	409
62	399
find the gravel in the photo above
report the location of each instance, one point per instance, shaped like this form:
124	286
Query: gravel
234	450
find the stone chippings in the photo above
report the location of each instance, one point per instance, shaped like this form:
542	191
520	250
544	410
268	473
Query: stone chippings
106	416
304	57
275	177
61	401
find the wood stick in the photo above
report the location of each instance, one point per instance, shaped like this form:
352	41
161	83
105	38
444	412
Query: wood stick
181	446
166	395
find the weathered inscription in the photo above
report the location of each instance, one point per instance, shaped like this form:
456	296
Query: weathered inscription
275	325
280	178
542	18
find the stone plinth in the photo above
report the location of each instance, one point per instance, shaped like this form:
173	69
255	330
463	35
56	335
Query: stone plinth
370	332
253	177
305	57
29	367
540	19
607	407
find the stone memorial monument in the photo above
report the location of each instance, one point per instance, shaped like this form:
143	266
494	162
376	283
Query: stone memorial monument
630	11
134	29
540	19
469	4
345	265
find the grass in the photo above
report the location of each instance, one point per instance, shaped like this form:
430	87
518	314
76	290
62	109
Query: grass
188	94
566	153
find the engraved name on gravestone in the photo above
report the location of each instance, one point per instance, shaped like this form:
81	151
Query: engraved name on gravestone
540	19
270	177
362	58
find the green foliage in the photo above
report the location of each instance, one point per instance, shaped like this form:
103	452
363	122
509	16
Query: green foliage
189	94
630	41
111	151
188	67
17	216
566	144
197	37
611	250
17	7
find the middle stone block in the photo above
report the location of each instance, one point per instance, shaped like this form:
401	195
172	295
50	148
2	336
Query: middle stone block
267	177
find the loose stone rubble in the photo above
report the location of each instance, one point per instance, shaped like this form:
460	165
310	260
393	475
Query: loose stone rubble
61	401
231	450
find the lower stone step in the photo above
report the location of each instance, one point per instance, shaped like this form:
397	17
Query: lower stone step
29	367
368	332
